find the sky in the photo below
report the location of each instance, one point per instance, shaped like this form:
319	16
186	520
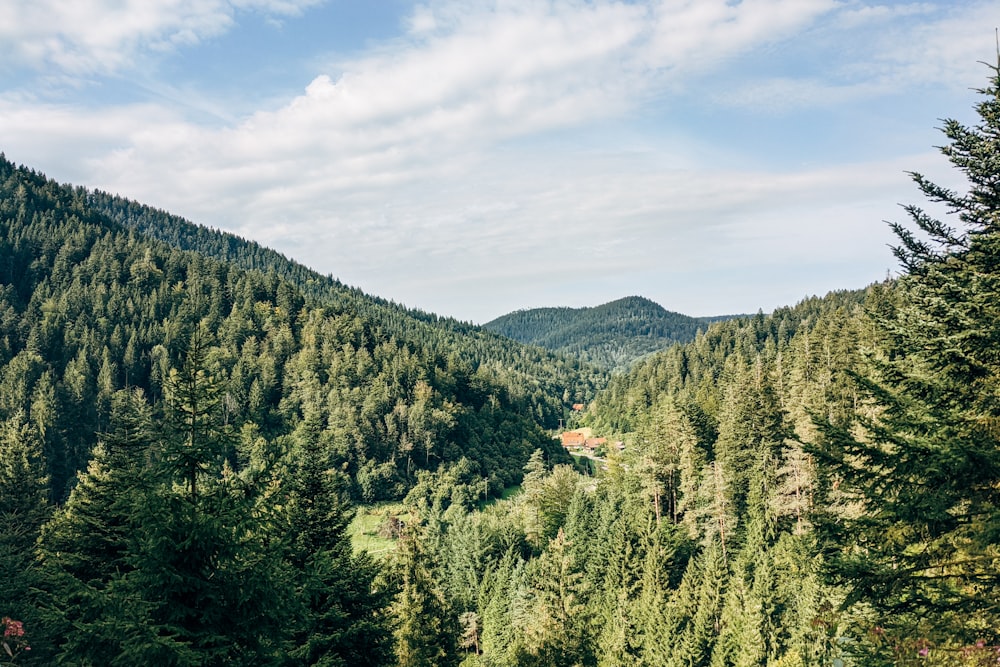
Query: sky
474	158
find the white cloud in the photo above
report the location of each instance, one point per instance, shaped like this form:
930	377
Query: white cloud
945	51
417	160
857	14
88	36
696	34
895	48
418	110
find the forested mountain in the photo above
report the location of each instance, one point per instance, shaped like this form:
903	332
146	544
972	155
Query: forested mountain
182	440
818	486
611	336
697	371
695	546
91	307
168	369
548	382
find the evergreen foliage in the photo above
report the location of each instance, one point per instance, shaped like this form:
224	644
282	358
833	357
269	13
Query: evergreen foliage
187	421
90	306
427	632
23	511
610	336
914	527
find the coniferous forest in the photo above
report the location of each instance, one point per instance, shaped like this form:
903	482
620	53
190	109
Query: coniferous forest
189	423
611	336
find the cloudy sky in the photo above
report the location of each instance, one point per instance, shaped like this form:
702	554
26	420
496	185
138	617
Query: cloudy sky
472	158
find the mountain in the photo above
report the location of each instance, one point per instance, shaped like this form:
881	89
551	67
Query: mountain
810	343
816	486
611	336
538	377
99	294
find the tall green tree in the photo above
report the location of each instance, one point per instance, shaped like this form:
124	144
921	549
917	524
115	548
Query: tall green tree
86	547
208	568
23	510
917	533
342	619
559	632
427	628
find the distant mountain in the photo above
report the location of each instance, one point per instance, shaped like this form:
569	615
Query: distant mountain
611	336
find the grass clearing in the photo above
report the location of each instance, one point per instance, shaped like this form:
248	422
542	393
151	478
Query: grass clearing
366	529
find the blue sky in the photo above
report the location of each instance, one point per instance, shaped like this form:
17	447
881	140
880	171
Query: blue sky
473	158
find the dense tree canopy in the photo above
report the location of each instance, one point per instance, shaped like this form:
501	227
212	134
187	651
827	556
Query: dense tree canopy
90	307
612	335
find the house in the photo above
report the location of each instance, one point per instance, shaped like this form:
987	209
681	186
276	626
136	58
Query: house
577	407
573	439
594	443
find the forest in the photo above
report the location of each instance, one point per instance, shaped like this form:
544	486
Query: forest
611	336
189	422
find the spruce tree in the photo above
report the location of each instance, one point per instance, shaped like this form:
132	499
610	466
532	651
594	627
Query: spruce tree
427	628
342	619
559	633
918	530
23	509
86	548
496	603
209	578
700	609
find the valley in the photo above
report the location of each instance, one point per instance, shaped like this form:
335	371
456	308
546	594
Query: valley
213	455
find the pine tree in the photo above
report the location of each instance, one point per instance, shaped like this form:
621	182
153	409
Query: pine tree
559	630
666	444
342	620
698	608
752	430
918	534
198	445
23	509
209	581
85	548
497	600
427	629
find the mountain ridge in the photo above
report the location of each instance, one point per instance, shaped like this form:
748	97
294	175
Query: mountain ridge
612	335
91	305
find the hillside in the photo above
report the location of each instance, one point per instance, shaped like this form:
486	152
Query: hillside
538	378
697	373
188	420
91	306
611	336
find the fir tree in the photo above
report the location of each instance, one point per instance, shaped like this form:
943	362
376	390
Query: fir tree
343	619
917	535
427	629
208	571
23	509
85	548
559	630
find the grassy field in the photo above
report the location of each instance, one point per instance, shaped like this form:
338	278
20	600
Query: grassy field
510	491
368	521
